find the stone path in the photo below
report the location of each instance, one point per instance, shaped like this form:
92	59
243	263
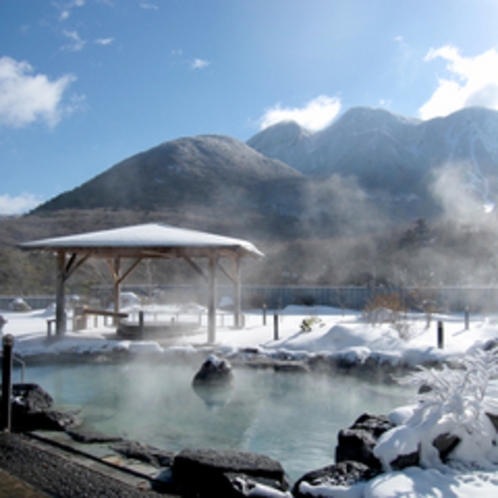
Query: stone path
41	468
13	487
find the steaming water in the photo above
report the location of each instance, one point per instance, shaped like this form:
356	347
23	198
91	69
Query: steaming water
293	418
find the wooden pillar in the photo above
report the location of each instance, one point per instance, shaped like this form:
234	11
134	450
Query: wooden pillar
213	263
6	411
237	291
60	299
117	287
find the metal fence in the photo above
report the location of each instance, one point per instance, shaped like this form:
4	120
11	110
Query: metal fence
276	297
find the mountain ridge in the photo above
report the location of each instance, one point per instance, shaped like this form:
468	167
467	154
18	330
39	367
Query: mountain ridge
394	155
383	161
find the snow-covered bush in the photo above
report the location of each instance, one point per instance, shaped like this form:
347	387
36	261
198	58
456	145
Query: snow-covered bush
451	401
307	324
388	308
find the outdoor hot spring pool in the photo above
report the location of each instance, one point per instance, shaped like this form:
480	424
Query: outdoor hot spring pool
293	418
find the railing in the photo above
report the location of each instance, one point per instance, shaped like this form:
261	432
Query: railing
275	297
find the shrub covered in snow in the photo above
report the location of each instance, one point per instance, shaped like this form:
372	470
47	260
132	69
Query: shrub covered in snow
389	308
310	322
453	403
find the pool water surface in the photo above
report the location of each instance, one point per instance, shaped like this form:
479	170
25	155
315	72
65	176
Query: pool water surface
293	418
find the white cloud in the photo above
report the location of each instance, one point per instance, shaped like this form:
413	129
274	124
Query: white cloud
148	6
314	116
473	81
104	41
199	64
66	8
18	205
26	98
77	42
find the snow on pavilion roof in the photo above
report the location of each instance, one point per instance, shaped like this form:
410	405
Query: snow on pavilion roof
151	236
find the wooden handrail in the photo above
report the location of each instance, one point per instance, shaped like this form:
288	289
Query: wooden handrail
92	311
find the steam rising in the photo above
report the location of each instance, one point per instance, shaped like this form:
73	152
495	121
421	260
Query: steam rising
463	196
268	413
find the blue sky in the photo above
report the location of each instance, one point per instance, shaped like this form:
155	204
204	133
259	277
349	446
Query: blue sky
87	83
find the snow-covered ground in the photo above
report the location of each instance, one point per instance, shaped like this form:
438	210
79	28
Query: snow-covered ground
330	332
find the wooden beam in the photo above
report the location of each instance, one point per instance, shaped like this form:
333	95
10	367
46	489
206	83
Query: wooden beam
195	266
227	274
129	270
60	298
213	263
73	264
117	287
237	293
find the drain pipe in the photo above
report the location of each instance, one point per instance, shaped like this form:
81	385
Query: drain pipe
8	344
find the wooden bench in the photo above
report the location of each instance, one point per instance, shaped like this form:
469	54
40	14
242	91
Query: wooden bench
81	314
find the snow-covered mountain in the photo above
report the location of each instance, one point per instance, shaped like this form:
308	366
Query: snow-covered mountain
207	170
367	168
394	157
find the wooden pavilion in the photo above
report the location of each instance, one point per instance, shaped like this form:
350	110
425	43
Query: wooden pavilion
138	242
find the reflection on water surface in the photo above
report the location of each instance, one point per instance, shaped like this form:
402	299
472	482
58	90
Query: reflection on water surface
293	418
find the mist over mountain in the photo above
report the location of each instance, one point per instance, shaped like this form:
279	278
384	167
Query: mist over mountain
375	197
368	167
397	160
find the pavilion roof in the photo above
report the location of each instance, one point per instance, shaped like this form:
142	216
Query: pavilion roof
147	240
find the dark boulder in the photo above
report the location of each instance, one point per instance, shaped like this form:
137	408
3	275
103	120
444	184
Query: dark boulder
214	473
358	442
376	424
32	410
494	420
345	473
30	398
213	382
357	445
50	420
403	461
91	436
445	444
143	452
242	485
213	372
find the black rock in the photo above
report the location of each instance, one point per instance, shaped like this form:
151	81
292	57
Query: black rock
31	398
403	461
51	420
144	453
242	485
445	444
357	445
209	473
91	436
358	442
494	420
376	424
345	473
214	372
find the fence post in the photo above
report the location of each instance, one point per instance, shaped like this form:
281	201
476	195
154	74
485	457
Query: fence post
440	335
264	314
141	324
275	326
8	344
467	317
